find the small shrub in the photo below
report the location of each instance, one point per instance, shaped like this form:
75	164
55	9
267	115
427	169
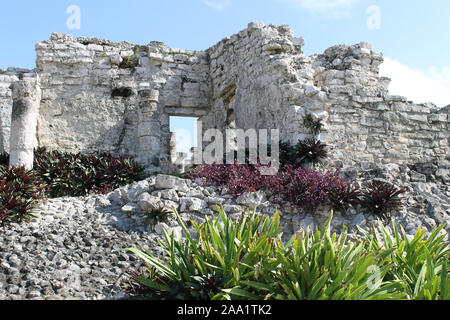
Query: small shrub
382	198
130	62
19	191
306	188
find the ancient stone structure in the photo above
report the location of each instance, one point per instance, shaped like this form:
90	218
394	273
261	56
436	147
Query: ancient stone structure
25	111
97	95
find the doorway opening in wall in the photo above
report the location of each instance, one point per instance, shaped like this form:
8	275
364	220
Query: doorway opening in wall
182	143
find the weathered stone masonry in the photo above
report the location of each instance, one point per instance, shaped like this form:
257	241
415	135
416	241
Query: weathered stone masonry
97	95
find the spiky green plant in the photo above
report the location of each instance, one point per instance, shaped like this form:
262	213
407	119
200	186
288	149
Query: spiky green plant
222	264
422	264
158	214
320	266
248	260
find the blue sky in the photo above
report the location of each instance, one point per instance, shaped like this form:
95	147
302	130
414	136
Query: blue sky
413	35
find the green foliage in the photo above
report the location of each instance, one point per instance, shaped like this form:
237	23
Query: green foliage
57	174
223	263
319	266
130	62
421	264
248	260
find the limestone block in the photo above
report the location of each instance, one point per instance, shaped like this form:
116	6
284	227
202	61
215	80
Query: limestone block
147	202
171	182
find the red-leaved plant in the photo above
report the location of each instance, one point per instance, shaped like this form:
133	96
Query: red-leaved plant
19	191
305	188
382	198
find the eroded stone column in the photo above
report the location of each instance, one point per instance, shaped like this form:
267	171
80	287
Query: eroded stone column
149	129
26	96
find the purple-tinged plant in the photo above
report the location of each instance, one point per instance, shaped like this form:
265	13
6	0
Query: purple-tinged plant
19	191
305	188
343	194
382	198
311	151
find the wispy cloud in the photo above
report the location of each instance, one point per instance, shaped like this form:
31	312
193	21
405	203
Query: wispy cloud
328	8
432	85
217	4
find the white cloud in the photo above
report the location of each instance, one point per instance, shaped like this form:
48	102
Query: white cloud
217	4
432	85
329	8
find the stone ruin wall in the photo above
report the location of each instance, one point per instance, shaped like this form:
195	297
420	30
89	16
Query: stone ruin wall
98	95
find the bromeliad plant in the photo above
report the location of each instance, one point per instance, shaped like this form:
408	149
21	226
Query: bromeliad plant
158	214
307	151
58	174
230	260
311	151
19	191
343	194
78	175
315	126
248	260
382	198
421	264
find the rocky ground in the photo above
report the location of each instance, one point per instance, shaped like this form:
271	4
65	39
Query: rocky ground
72	249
